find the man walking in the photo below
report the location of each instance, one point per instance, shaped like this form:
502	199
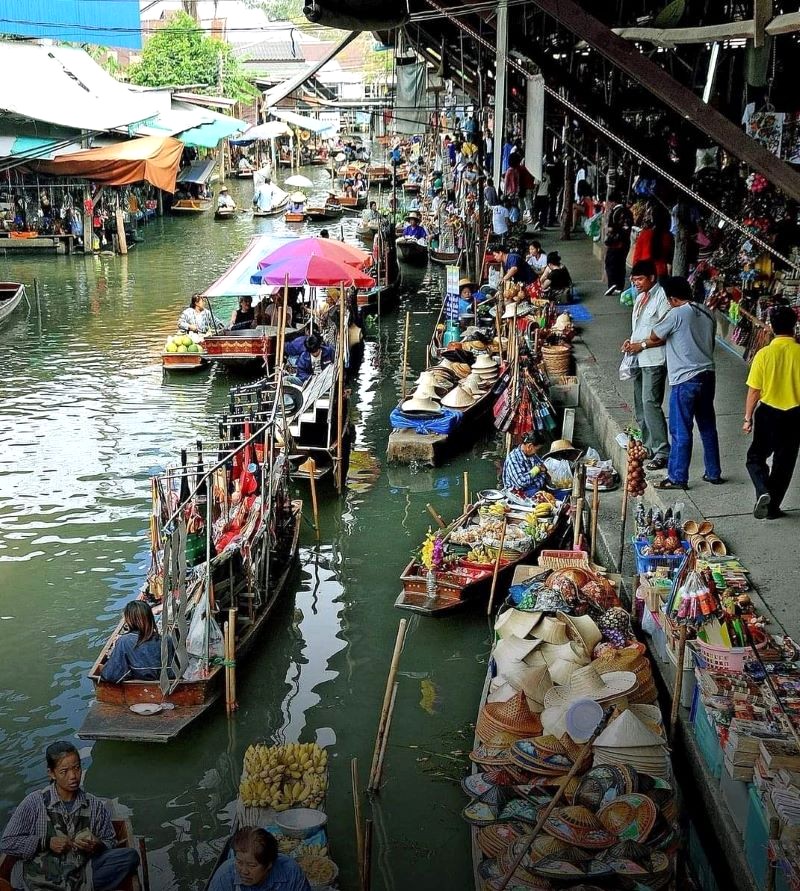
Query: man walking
688	331
650	379
772	415
618	243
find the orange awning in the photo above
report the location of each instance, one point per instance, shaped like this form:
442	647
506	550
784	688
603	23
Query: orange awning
155	159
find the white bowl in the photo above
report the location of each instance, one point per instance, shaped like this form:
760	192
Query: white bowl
301	822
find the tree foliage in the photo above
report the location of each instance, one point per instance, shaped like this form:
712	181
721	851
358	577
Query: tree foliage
181	54
281	10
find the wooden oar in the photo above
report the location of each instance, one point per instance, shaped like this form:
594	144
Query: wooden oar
496	571
436	516
387	699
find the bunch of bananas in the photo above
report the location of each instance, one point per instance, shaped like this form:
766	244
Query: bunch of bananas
496	509
283	776
311	851
480	555
540	511
543	497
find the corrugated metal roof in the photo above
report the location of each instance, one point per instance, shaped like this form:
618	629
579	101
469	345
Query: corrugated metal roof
269	51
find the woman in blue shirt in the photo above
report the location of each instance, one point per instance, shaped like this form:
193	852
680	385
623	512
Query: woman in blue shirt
136	655
257	864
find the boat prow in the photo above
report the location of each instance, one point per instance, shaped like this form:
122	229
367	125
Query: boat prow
11	293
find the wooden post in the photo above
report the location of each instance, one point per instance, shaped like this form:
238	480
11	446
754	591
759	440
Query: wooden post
496	571
312	478
385	740
405	358
357	817
281	345
88	231
624	519
120	220
436	516
466	491
595	518
366	867
577	522
387	698
678	685
231	658
340	400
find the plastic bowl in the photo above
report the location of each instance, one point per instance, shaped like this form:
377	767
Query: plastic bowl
301	822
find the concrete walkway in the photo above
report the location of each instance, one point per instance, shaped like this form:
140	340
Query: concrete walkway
767	547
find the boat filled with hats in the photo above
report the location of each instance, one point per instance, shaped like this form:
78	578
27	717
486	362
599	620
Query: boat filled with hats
572	781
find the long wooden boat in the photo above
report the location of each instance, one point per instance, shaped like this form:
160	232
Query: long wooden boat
245	172
348	201
328	211
294	217
224	213
11	294
379	175
110	717
366	231
465	582
412	251
191	205
272	212
250	346
445	258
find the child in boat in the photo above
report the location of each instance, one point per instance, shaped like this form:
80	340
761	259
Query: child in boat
257	864
137	654
63	836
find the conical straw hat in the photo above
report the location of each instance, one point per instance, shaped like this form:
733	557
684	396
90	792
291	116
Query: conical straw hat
587	681
484	362
628	731
512	650
515	622
475	383
561	671
533	681
515	715
552	631
583	629
419	404
554	719
425	390
458	398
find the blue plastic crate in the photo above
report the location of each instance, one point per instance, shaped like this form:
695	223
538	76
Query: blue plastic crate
756	839
650	563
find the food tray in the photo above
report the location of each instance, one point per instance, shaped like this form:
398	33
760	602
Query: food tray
651	562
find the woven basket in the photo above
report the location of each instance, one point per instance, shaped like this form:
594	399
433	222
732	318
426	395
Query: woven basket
557	359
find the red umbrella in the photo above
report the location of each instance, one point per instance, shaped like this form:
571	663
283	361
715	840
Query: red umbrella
316	271
317	247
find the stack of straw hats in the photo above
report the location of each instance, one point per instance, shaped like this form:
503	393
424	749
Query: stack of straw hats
627	740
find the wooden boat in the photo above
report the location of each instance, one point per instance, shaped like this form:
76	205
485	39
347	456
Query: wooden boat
445	258
366	231
351	203
273	212
191	205
224	213
257	539
412	251
329	211
292	216
245	172
250	346
123	830
379	175
183	361
11	294
465	582
412	188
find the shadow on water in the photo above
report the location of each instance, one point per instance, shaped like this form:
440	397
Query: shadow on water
87	418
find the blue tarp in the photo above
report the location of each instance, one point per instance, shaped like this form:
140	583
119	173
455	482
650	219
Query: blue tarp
77	21
444	423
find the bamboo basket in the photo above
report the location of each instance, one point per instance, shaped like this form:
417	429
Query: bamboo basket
557	360
564	559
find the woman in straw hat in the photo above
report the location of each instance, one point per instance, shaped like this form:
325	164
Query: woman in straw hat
523	469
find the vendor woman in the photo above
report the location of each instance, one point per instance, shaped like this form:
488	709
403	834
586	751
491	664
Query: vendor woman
523	470
195	317
137	654
257	864
64	836
245	315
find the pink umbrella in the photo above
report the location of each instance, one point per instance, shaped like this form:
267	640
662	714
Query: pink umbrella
316	271
317	247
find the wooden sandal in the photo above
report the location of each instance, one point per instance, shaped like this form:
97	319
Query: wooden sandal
705	528
690	527
717	546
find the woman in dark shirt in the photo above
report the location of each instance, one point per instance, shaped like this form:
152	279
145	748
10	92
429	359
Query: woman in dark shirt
136	655
245	315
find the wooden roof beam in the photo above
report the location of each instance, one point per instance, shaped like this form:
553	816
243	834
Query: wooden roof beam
681	99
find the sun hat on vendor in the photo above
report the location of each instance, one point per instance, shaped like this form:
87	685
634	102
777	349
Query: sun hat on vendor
412	215
564	449
224	189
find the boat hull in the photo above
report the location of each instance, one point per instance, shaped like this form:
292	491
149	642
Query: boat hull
412	252
11	294
294	217
320	214
183	361
446	258
241	348
224	214
274	212
191	205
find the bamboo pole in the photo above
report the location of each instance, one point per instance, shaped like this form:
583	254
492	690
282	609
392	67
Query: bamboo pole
357	817
231	658
577	523
466	491
385	740
366	867
624	519
496	570
143	861
387	697
226	650
340	398
595	517
282	324
436	516
678	685
312	478
405	357
544	814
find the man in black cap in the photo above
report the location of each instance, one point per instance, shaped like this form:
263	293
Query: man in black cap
315	357
523	470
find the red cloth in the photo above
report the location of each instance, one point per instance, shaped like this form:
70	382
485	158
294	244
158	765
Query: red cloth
660	251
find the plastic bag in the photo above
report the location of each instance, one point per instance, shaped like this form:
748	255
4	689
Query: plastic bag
628	366
628	297
196	638
560	473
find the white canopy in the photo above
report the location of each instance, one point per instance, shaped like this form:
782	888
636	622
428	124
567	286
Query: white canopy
298	120
65	86
268	130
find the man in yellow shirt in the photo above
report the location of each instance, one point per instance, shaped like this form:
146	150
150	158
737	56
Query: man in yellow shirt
772	415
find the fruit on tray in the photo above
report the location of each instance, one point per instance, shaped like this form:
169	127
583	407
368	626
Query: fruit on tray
284	776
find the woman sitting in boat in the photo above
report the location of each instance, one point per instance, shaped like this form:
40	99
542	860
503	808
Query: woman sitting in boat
370	214
64	836
195	318
524	471
413	229
224	201
269	310
257	864
245	315
315	357
137	654
244	164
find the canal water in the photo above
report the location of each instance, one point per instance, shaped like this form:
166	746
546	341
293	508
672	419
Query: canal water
86	419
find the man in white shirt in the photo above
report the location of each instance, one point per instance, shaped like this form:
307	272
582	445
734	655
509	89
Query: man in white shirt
500	215
224	201
649	380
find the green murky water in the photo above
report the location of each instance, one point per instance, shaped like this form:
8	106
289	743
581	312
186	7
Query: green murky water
86	418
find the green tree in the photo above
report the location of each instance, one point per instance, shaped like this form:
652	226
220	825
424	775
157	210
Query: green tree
181	54
281	10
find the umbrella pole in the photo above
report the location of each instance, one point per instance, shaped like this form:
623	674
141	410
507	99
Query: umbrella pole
282	324
340	412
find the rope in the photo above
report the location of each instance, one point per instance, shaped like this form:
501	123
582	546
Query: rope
578	112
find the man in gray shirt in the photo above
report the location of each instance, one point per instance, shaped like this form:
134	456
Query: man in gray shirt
688	331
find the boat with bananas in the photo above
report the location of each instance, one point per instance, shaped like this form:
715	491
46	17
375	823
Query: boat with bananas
283	789
223	545
457	565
